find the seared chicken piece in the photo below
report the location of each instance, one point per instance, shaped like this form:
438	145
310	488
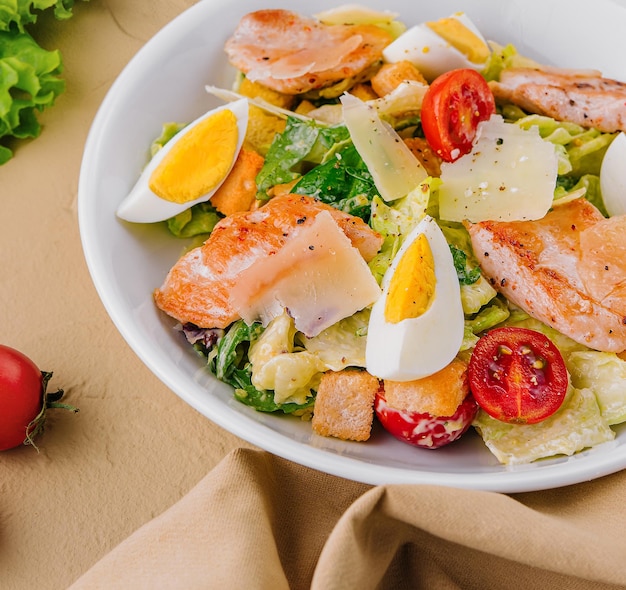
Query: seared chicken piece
293	54
585	98
550	267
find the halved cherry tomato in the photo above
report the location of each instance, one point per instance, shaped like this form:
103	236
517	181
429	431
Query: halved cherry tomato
517	375
453	106
422	429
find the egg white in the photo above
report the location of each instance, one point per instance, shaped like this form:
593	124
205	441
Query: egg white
142	205
613	176
430	53
415	348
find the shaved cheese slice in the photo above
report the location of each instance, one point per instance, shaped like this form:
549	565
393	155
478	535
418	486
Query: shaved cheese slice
394	169
510	175
318	277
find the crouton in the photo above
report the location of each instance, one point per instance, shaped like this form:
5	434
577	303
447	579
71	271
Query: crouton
262	129
425	154
364	92
305	107
256	90
391	75
438	395
238	191
344	406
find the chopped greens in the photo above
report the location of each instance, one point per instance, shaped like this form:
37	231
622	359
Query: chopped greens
197	220
302	145
343	182
467	276
230	365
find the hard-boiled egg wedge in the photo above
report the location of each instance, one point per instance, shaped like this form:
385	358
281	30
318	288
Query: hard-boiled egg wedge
613	176
416	326
190	167
439	46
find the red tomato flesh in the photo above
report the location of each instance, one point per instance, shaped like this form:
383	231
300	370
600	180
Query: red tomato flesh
517	375
21	396
422	429
453	106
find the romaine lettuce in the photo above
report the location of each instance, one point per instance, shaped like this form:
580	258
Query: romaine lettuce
229	363
277	365
605	374
577	425
195	221
343	344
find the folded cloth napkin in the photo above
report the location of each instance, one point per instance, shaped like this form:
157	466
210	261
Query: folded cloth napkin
258	521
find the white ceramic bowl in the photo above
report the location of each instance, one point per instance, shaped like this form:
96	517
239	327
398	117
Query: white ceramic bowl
165	82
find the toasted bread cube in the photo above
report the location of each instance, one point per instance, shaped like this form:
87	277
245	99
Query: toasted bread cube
427	156
391	75
262	129
305	107
344	406
238	191
364	92
256	90
439	394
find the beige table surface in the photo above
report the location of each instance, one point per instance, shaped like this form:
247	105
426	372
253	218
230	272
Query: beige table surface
135	448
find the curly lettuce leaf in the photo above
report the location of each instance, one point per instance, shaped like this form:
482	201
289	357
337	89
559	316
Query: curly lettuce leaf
29	75
29	82
15	14
394	221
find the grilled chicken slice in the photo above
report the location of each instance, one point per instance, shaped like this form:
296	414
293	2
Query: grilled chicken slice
198	287
293	54
582	97
564	270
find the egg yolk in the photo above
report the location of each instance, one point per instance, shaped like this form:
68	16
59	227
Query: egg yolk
412	285
460	37
198	161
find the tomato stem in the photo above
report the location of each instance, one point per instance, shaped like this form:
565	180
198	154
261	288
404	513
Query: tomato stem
49	400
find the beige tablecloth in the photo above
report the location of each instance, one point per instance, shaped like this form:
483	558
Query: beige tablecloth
138	490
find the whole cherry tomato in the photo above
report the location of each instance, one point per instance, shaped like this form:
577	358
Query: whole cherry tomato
422	429
23	398
517	375
453	106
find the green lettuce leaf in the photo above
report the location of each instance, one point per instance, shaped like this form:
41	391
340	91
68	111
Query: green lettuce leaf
30	76
343	182
300	147
577	425
29	82
605	374
195	221
15	14
229	363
